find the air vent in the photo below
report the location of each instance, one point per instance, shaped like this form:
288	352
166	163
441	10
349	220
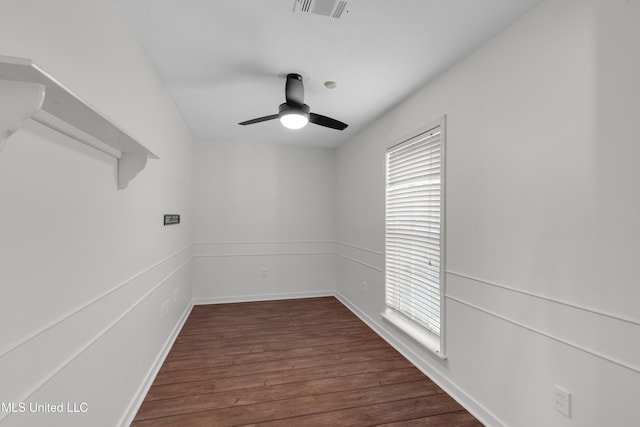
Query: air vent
331	8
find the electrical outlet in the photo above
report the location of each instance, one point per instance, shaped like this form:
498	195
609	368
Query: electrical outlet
563	401
175	294
364	287
264	273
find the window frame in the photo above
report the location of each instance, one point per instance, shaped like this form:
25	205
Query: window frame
418	333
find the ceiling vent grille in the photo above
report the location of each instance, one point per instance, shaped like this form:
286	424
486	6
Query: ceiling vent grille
331	8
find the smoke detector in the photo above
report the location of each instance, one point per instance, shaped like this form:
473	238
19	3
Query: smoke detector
330	8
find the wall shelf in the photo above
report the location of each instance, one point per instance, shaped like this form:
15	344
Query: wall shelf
29	92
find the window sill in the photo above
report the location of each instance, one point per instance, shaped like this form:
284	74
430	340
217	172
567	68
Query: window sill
416	333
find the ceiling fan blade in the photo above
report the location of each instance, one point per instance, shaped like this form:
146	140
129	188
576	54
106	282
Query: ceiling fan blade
259	119
327	121
294	90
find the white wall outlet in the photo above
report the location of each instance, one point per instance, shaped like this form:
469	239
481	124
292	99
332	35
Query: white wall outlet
264	273
364	287
176	291
563	401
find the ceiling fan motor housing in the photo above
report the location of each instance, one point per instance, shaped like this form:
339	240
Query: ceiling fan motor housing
285	109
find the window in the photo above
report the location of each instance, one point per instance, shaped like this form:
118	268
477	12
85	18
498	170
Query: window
414	236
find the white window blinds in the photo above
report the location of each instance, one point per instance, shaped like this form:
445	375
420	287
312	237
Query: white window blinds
413	229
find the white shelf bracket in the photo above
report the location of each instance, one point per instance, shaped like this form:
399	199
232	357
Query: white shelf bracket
19	101
129	165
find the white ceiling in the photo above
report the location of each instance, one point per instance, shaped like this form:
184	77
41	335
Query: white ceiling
225	61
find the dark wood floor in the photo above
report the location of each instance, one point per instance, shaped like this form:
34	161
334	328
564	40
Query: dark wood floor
305	362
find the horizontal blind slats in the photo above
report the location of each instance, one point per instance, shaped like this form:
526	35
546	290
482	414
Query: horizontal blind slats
413	236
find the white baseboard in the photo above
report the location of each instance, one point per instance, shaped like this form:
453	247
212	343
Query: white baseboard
142	391
263	297
470	404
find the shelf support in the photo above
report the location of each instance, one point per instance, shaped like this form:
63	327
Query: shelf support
129	165
19	101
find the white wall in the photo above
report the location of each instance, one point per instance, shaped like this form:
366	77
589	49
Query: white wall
542	209
541	240
84	267
264	221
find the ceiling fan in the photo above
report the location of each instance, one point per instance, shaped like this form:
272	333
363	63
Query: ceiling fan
294	113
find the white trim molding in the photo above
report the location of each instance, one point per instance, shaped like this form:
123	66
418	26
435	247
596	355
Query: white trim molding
8	348
364	256
141	393
228	249
263	297
86	326
568	324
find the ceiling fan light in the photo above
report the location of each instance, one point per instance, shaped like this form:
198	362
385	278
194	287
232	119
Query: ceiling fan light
294	120
293	116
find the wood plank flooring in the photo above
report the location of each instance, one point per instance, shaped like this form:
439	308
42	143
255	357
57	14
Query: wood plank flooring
304	362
